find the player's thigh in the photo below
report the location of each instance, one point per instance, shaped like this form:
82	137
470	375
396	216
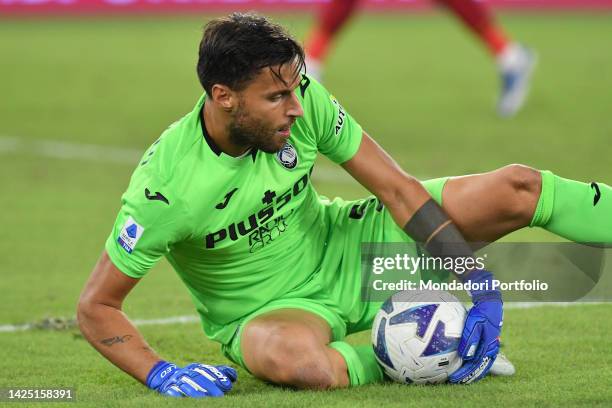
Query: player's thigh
272	341
488	206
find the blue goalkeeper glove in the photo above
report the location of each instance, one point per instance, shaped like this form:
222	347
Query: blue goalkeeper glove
479	343
195	380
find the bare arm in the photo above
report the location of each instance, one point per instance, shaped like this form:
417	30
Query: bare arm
106	327
401	193
410	205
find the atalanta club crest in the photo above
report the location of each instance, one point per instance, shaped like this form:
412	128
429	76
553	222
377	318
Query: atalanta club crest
287	156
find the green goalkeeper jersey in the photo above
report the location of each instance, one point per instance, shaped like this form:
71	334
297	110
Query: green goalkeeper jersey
239	231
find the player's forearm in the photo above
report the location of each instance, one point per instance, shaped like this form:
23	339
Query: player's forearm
404	199
110	332
428	224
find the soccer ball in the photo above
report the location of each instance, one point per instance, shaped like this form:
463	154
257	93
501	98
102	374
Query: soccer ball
416	334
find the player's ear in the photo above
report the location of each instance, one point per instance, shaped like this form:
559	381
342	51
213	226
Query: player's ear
224	97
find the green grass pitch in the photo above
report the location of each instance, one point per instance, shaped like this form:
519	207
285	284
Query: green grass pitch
420	85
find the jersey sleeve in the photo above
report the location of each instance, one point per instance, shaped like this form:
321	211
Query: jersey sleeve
338	134
150	220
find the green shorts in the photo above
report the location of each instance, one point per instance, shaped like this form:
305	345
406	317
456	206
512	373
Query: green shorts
334	291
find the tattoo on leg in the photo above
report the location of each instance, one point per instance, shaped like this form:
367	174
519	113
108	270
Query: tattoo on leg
116	340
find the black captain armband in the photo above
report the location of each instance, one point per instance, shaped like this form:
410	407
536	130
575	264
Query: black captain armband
435	232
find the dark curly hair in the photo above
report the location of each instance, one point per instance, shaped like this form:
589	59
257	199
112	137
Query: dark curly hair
235	48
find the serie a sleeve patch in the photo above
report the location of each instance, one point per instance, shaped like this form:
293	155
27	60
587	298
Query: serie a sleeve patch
130	234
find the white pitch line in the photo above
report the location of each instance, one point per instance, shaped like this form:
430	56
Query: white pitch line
8	144
162	321
167	320
188	319
11	328
56	149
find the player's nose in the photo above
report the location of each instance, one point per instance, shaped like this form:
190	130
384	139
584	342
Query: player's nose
295	107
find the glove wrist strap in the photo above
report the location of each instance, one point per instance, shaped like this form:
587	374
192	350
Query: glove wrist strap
484	279
160	371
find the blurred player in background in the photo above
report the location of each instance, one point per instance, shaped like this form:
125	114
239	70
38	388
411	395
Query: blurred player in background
514	61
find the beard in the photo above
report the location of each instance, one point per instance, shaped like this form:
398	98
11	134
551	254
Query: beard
247	131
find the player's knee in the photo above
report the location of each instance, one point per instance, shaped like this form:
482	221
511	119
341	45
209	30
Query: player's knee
523	178
310	371
293	357
525	183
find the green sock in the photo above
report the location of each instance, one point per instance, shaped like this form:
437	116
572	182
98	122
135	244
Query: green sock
577	211
361	362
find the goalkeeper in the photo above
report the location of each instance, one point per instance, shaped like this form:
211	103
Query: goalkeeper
272	267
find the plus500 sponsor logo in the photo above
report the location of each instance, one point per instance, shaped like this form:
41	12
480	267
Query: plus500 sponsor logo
242	228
